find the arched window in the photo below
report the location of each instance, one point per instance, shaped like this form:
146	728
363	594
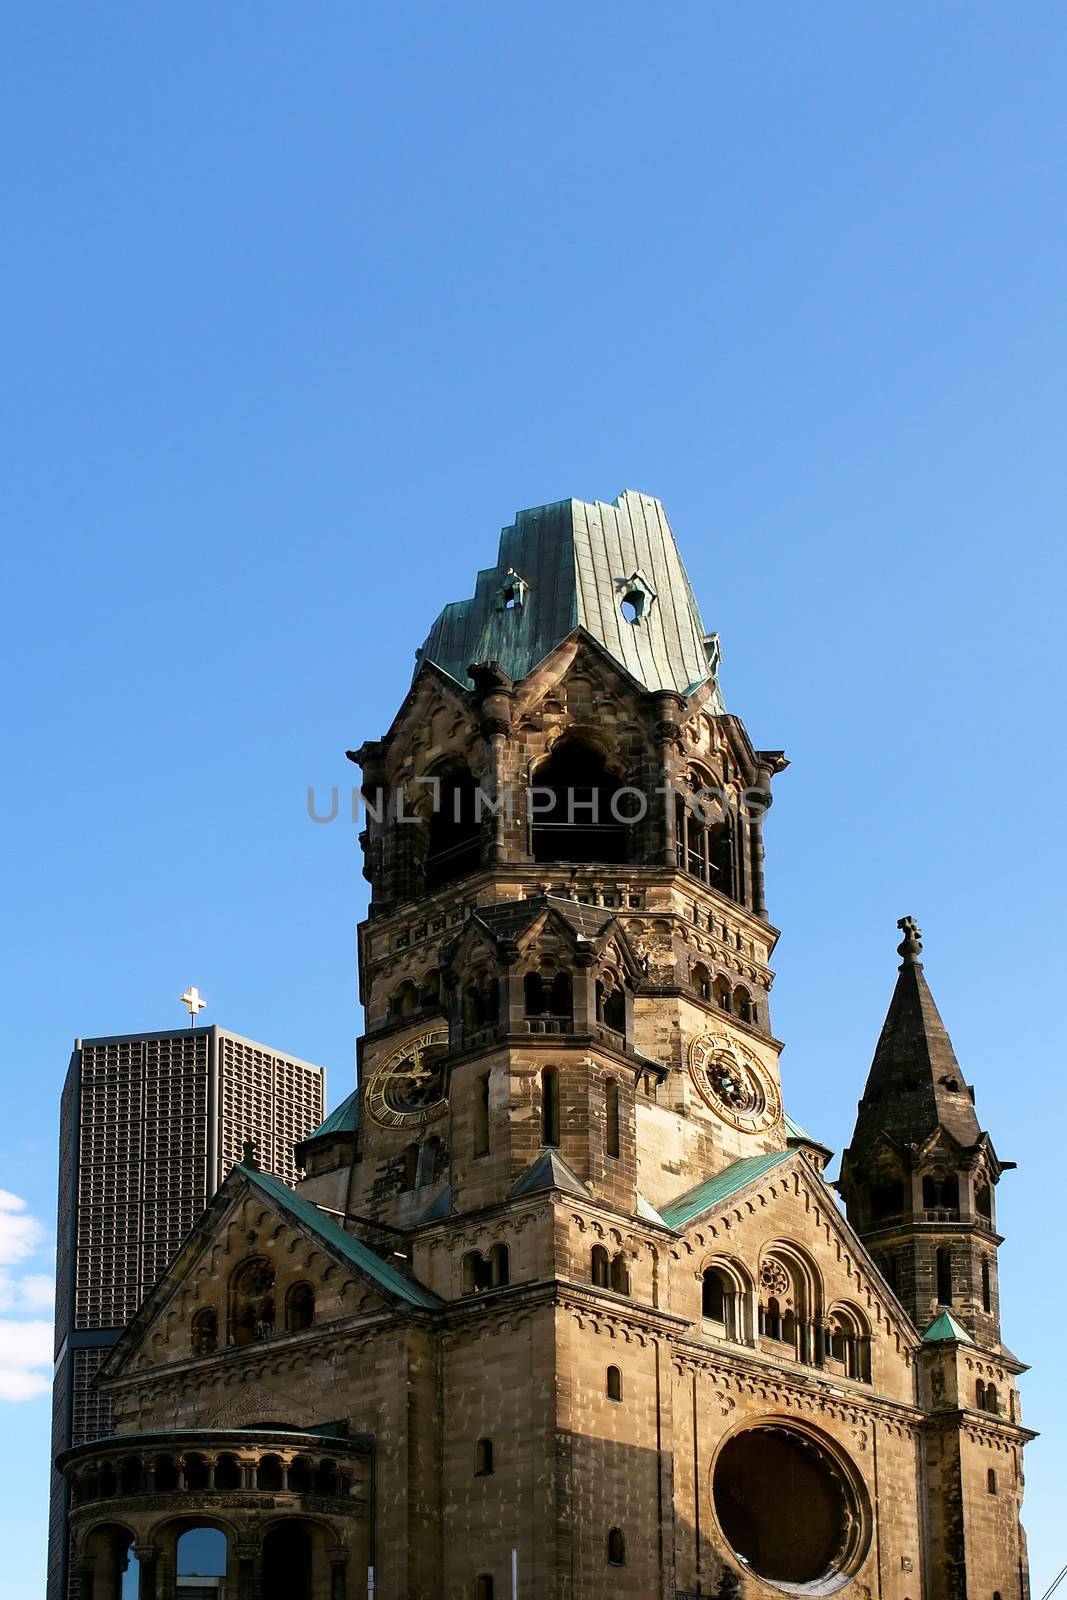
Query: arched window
611	1004
499	1266
299	1307
429	1158
987	1286
887	1199
614	1388
227	1473
992	1399
941	1192
991	1481
742	1004
944	1277
620	1275
269	1473
616	1548
701	981
205	1331
983	1201
253	1301
723	994
411	1166
481	1115
713	1296
483	1458
571	807
549	1106
611	1118
480	1003
483	1587
453	845
979	1394
195	1472
166	1470
404	999
533	994
703	837
600	1267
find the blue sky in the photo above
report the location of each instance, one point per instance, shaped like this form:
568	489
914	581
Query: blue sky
303	304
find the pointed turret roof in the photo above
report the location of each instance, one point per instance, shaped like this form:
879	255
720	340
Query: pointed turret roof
915	1087
945	1328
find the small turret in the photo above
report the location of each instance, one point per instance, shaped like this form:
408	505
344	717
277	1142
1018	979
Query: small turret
918	1175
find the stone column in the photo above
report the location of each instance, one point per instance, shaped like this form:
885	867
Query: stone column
81	1579
147	1555
338	1573
249	1580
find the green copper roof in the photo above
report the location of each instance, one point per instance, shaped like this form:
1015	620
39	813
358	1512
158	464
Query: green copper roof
361	1256
713	1191
341	1120
944	1328
794	1130
571	565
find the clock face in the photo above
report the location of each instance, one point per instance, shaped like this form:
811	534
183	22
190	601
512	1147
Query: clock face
407	1088
735	1083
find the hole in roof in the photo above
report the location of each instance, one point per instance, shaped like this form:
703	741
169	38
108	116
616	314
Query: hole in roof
632	605
510	598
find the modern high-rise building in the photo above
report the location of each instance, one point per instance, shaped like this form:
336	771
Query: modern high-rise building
150	1125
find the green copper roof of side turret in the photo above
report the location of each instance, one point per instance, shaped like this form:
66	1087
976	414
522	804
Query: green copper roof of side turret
945	1327
570	565
341	1120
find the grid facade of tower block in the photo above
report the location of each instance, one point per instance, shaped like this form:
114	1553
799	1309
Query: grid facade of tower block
150	1125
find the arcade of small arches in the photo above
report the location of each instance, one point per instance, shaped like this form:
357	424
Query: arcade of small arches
137	1503
254	1309
581	805
784	1313
932	1192
736	1000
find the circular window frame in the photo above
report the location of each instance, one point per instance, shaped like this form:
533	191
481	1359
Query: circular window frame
858	1545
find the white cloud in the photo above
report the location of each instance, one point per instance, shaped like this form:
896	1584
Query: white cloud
25	1359
25	1341
20	1234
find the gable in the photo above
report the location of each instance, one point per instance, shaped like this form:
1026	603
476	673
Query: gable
776	1206
263	1264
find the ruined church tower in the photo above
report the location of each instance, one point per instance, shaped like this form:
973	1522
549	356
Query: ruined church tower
564	1305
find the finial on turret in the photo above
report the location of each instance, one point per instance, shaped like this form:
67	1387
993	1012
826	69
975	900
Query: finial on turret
910	947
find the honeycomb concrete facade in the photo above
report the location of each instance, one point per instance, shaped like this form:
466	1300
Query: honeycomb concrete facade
563	1304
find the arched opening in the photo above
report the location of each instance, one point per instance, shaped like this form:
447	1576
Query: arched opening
700	978
404	1000
941	1192
428	1161
620	1274
302	1475
611	1004
483	1587
299	1307
571	806
548	1001
115	1568
269	1473
614	1385
987	1286
616	1548
453	846
887	1199
979	1393
286	1562
600	1267
480	1004
253	1301
991	1481
549	1106
722	994
992	1399
944	1277
703	838
483	1459
411	1166
195	1471
742	1004
787	1509
166	1473
430	991
227	1472
718	1301
499	1266
326	1481
201	1564
205	1331
131	1476
983	1201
